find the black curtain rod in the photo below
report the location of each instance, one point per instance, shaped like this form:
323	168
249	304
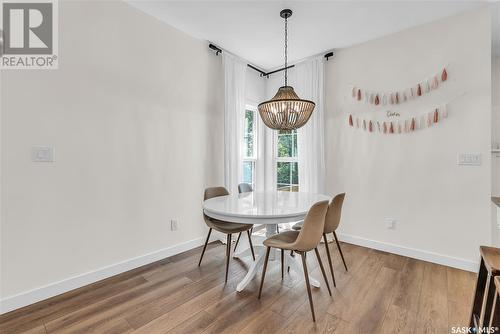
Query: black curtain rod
262	73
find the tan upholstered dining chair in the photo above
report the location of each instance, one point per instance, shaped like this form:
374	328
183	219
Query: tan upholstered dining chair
224	227
243	188
301	242
332	221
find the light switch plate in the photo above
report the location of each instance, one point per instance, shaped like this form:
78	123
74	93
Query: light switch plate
469	159
390	223
42	154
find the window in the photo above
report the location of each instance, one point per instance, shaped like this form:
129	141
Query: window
287	164
249	148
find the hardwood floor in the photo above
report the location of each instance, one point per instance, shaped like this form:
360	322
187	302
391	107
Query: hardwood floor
381	293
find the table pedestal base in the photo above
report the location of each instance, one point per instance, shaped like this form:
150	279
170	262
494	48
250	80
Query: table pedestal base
243	250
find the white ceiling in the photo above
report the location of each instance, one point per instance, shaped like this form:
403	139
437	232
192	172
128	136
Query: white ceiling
254	30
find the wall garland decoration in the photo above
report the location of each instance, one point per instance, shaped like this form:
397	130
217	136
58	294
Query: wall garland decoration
411	124
400	96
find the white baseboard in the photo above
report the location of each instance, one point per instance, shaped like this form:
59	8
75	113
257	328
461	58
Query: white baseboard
412	252
32	296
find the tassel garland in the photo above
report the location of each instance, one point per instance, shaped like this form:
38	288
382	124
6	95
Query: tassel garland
401	126
384	98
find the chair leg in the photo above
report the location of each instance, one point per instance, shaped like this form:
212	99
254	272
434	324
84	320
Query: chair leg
288	267
250	242
282	263
237	241
228	254
329	258
340	249
264	270
306	275
322	270
205	247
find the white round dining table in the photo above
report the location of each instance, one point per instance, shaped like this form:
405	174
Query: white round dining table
268	208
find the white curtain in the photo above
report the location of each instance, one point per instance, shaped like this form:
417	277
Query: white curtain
234	106
310	85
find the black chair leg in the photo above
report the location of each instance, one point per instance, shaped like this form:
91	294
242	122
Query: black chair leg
329	258
282	263
306	275
340	249
292	255
264	270
205	247
228	254
250	242
237	241
322	270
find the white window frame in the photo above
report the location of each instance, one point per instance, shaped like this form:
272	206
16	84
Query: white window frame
281	159
253	158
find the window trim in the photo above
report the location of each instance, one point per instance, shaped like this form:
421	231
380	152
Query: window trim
255	156
277	159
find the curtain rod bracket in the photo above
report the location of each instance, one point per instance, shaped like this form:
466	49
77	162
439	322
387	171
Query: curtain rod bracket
328	55
215	48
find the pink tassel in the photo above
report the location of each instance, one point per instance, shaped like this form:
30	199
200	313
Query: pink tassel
370	126
350	120
359	94
396	99
444	75
364	125
391	128
377	100
435	82
436	116
412	125
445	111
419	90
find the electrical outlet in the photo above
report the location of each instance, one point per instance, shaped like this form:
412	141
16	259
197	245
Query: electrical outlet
173	225
469	159
390	223
42	154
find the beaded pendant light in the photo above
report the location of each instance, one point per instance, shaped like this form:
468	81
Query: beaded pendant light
286	111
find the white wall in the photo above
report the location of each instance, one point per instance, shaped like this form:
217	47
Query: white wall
443	210
135	113
495	124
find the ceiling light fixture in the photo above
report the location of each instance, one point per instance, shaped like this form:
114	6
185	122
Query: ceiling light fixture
286	111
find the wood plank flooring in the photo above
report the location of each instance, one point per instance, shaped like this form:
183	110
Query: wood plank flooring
381	293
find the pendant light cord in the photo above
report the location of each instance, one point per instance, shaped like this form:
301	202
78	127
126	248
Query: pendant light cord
286	51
